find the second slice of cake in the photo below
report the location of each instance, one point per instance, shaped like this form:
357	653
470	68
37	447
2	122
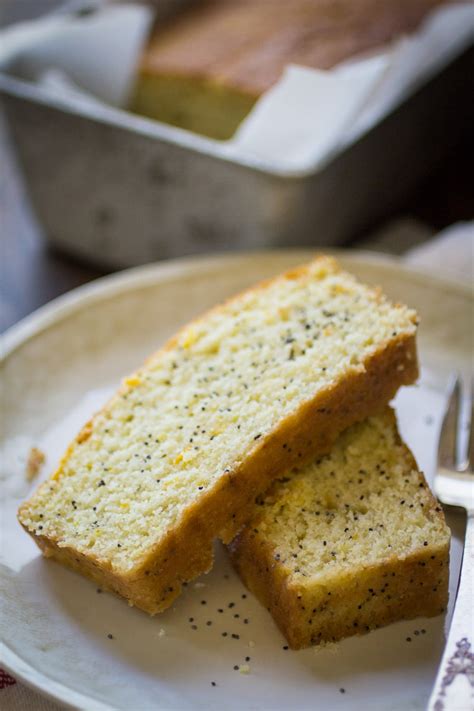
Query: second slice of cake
349	543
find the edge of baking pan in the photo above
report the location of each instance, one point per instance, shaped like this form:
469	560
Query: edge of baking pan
147	127
222	150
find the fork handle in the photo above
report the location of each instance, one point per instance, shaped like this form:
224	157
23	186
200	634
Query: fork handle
454	686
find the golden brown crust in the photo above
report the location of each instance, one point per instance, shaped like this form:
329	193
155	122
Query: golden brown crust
186	551
398	589
350	603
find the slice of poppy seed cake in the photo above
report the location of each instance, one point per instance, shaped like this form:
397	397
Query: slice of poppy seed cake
351	542
176	458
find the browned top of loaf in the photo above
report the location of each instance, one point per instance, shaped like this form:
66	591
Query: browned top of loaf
246	44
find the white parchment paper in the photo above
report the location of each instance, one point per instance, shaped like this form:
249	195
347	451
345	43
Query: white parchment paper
298	125
94	54
311	114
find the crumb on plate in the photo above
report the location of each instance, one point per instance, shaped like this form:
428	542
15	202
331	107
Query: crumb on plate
35	461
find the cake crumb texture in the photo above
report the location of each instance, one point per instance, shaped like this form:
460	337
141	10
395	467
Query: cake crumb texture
176	458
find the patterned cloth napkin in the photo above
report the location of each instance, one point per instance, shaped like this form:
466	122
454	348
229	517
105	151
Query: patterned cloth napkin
18	697
450	254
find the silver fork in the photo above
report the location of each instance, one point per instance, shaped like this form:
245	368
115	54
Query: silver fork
454	485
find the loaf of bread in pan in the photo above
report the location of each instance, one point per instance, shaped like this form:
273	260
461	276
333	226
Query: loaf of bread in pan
176	458
353	541
205	69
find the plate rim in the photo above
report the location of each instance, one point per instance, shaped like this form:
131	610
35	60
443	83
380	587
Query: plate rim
148	274
127	280
46	686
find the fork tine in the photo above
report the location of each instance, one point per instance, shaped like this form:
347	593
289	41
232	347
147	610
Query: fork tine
447	447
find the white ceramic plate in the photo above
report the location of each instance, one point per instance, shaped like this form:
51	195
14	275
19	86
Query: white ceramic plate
60	365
